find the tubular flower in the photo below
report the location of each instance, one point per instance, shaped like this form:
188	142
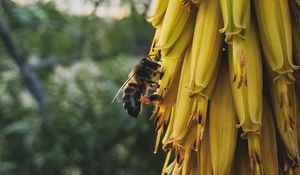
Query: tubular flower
236	19
229	86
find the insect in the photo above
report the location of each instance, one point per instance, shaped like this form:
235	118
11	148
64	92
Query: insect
139	88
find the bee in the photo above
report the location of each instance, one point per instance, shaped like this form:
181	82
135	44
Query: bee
141	85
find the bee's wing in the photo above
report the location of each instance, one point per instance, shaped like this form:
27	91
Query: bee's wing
141	110
121	88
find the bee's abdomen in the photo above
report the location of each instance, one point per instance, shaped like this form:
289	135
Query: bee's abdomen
131	102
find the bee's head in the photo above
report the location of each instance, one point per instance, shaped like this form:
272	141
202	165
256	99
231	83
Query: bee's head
149	63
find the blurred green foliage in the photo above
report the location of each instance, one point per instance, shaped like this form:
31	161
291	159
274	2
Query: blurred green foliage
81	61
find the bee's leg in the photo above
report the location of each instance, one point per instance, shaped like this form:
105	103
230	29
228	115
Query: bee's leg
148	99
153	83
157	58
161	74
155	97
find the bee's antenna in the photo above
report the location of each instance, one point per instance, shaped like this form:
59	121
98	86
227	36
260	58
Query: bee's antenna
121	88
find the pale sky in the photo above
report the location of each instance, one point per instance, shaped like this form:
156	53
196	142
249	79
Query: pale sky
81	7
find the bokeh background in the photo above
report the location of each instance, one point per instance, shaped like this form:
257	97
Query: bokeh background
61	63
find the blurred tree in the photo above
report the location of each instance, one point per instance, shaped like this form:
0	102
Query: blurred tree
80	61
